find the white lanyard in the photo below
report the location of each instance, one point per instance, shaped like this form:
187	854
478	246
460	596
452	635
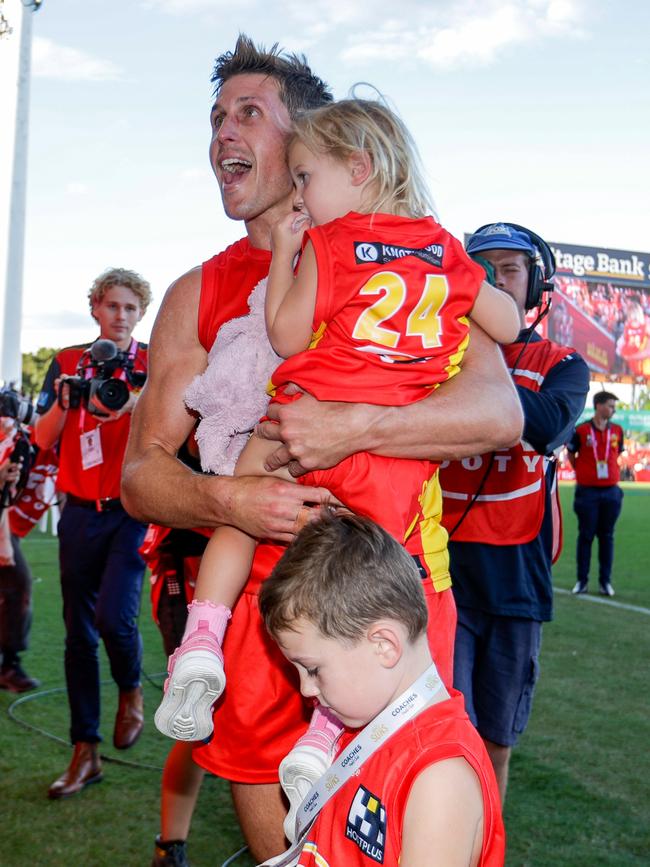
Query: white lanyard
358	751
594	443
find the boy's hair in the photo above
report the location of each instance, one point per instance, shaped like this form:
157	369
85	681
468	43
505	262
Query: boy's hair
602	397
299	88
343	573
120	277
343	128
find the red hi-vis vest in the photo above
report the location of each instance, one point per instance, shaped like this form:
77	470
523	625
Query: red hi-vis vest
510	507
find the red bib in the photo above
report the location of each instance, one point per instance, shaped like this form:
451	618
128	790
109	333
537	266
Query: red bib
510	506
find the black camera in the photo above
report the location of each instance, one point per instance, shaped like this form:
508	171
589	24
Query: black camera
104	359
23	454
15	405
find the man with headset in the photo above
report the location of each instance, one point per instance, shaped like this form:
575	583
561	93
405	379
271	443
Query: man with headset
499	507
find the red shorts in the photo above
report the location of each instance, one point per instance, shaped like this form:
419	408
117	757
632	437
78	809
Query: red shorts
261	713
441	630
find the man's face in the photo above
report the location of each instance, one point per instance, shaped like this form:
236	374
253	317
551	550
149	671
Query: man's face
250	129
117	314
605	410
511	275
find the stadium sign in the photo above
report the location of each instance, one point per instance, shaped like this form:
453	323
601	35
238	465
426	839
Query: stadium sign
601	307
595	263
629	419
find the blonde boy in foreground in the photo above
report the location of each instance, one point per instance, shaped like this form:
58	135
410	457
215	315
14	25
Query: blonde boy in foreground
346	607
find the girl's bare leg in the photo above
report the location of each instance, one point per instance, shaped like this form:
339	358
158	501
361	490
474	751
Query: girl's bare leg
196	673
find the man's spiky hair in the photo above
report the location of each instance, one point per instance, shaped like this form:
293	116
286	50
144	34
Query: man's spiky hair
299	88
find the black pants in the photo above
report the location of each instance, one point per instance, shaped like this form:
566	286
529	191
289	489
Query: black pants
101	581
15	603
597	509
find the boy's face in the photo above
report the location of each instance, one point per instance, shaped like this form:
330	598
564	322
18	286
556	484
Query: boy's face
117	314
349	679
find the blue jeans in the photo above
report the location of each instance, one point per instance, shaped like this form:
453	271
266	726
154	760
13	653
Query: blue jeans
101	583
597	509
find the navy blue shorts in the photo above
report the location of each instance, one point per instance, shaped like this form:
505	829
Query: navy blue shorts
496	666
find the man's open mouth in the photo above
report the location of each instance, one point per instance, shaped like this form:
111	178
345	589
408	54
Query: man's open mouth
234	168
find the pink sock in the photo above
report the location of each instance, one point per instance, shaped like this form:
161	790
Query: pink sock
324	729
206	617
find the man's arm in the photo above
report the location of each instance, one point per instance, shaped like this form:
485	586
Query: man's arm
156	486
551	413
52	416
475	412
48	427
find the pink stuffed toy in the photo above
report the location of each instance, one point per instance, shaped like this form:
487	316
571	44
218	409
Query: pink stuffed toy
231	394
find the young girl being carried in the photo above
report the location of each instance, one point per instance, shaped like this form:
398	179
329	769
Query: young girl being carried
376	312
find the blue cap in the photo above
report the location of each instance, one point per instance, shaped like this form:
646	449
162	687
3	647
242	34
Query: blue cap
500	236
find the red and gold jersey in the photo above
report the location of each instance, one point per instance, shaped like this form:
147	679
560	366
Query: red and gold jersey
593	446
362	824
390	322
227	280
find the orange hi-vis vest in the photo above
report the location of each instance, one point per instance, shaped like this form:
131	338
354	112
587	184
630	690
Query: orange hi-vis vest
510	505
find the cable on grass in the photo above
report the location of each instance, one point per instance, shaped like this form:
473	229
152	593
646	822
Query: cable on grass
234	857
48	734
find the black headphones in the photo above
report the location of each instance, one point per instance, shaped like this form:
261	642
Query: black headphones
542	266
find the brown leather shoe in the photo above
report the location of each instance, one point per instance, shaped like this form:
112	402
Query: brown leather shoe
129	719
85	768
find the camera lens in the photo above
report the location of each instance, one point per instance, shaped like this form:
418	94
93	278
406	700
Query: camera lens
113	393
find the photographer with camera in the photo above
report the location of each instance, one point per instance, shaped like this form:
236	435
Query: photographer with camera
85	406
15	577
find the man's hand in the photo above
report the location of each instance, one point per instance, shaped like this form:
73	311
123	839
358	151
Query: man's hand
475	412
107	414
268	508
62	391
9	472
313	434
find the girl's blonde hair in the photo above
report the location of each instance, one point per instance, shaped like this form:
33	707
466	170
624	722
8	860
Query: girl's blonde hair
396	184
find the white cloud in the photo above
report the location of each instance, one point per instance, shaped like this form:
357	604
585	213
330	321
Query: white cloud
465	34
436	33
51	60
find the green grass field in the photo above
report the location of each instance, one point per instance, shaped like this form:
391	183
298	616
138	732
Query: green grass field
580	778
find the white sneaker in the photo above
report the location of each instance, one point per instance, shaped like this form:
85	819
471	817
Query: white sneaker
299	770
311	756
196	680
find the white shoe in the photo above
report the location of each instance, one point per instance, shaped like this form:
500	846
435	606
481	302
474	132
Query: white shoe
299	770
196	680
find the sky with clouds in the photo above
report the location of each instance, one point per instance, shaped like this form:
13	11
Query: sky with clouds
535	111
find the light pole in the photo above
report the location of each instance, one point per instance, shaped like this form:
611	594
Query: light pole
15	68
